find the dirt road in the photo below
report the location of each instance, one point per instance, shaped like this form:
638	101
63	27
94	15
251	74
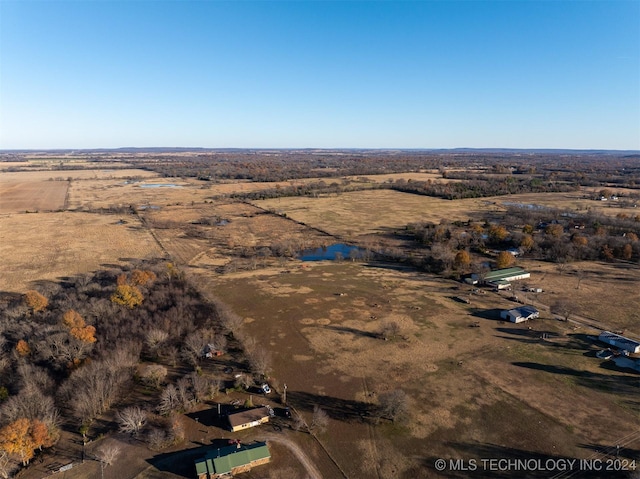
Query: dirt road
313	472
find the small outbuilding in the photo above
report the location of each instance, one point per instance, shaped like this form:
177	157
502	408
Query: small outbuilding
231	460
619	342
519	315
249	418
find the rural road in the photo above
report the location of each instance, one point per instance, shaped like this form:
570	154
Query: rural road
313	472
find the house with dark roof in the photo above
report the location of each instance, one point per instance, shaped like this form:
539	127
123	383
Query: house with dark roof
230	460
248	418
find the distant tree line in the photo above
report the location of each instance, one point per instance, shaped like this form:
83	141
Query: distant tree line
586	169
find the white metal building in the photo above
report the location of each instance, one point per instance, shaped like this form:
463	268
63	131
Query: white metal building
620	342
519	315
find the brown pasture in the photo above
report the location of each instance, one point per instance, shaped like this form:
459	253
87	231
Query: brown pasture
371	211
49	246
104	193
46	190
606	292
376	211
32	196
105	173
469	386
246	228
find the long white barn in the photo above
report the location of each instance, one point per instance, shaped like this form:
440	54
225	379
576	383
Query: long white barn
620	342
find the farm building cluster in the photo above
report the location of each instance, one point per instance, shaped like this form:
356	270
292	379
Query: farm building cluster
626	352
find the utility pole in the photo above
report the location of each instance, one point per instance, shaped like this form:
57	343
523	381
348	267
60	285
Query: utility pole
284	396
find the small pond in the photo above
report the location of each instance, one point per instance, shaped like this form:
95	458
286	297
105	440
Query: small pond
330	252
160	185
529	206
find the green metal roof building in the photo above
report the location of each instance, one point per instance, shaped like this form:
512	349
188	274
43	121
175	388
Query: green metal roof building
505	274
233	459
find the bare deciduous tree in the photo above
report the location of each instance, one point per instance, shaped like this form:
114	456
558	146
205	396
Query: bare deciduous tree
154	340
30	403
107	455
156	439
185	398
91	390
192	347
260	361
320	420
7	466
249	343
394	404
389	329
169	401
176	431
563	307
299	424
153	375
231	321
131	420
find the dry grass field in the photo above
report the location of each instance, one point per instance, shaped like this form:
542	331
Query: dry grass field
46	190
577	201
372	211
50	246
104	193
49	163
104	173
32	196
606	292
244	227
368	212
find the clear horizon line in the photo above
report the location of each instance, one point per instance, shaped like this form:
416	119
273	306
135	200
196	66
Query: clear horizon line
187	148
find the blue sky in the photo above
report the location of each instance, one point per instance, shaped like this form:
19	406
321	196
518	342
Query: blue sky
387	74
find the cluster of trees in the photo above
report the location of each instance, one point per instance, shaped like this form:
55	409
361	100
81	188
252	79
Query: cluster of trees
548	234
480	187
560	236
313	189
23	436
70	351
